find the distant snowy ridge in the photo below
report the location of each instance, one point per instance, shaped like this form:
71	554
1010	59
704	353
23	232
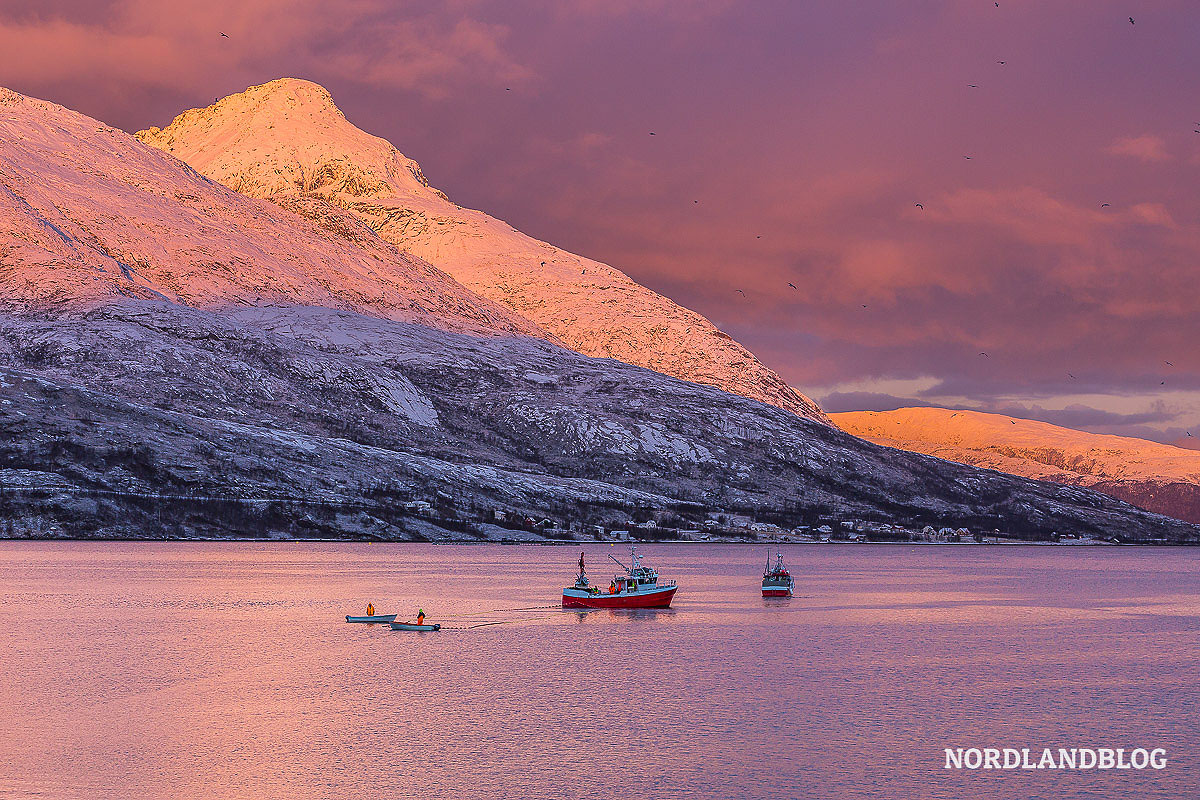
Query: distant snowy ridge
287	141
1158	477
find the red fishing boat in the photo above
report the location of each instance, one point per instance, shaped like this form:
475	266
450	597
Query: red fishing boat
637	588
777	581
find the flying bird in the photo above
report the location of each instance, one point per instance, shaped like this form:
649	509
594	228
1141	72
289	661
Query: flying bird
968	158
1013	421
652	133
918	205
1001	62
952	416
1131	22
864	305
973	85
697	202
543	263
743	294
1072	377
225	35
1162	383
792	285
1189	433
757	237
1168	363
985	355
1104	205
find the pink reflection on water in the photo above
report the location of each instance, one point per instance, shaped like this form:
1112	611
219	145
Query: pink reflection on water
226	670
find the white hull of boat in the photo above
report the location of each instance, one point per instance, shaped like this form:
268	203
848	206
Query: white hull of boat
373	618
412	626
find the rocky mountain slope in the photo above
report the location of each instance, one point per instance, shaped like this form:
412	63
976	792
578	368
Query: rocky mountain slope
1158	477
105	411
287	141
178	359
88	214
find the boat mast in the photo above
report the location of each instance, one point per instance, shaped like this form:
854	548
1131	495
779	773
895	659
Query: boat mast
634	558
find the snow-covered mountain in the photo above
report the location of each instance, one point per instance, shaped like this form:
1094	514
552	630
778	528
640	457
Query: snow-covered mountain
1158	477
177	358
89	214
343	417
287	141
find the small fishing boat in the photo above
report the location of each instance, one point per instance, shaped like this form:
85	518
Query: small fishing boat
777	581
412	626
371	618
637	588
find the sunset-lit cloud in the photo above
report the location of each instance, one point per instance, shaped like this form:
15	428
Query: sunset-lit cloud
1147	147
149	46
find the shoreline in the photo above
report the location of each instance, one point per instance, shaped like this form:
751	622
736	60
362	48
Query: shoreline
571	543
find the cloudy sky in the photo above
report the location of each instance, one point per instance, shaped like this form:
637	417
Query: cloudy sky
792	141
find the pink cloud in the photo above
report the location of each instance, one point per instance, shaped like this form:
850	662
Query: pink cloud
57	50
404	46
1146	147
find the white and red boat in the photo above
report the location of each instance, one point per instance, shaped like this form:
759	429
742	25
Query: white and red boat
637	588
777	581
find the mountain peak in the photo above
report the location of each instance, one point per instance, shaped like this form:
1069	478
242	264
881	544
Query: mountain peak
284	97
298	89
295	141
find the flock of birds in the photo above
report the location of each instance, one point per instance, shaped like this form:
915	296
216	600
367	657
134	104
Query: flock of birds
921	206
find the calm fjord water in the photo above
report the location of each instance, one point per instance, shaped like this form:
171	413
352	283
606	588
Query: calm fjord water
225	670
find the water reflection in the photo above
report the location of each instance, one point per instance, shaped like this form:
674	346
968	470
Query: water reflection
627	615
